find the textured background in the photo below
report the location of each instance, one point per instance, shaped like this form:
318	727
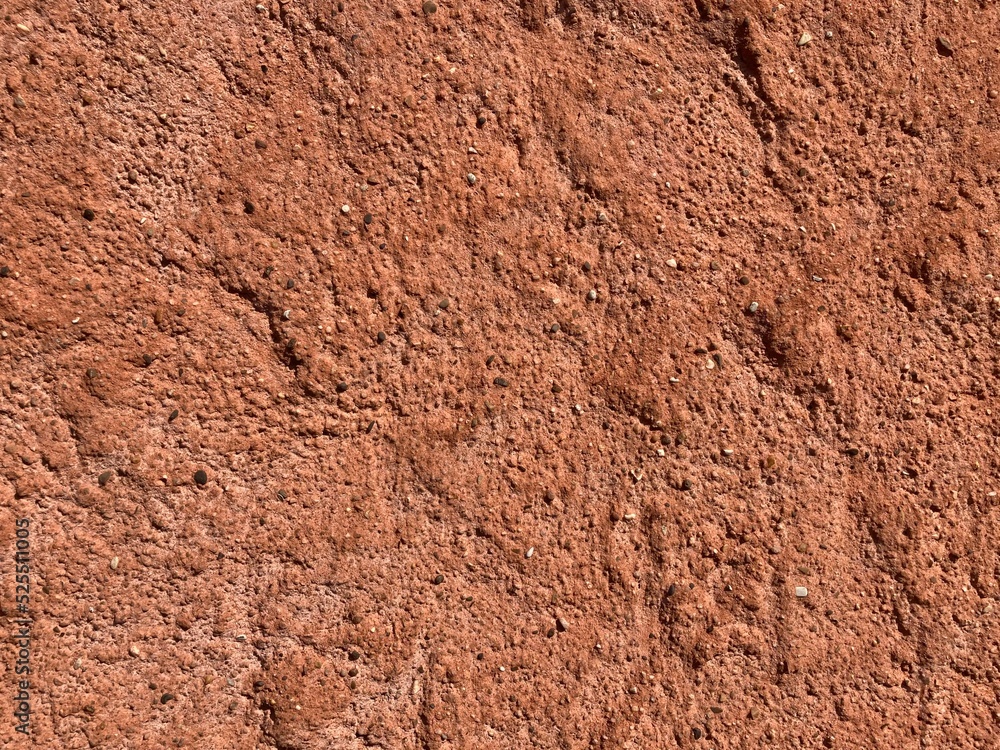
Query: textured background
354	573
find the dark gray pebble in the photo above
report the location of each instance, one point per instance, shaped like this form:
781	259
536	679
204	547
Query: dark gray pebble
444	304
438	579
88	214
166	698
381	337
248	207
686	485
201	477
341	386
290	284
554	328
91	373
502	382
105	477
173	415
369	218
4	272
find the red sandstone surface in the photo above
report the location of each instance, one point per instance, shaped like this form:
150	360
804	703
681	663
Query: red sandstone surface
534	355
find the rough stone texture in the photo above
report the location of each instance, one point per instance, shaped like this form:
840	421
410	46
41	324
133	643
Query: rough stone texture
368	505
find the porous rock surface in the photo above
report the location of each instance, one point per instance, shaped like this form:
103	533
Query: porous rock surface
397	381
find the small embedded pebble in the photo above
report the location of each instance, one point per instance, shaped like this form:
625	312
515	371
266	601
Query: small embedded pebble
554	328
248	207
381	337
502	382
345	209
587	266
801	592
829	35
173	415
268	271
562	625
945	47
105	477
91	373
592	295
686	485
354	655
444	304
88	214
529	553
134	650
133	176
744	280
341	387
290	284
438	579
753	307
5	272
429	7
471	178
368	219
201	477
696	733
166	698
805	39
480	121
672	263
602	218
114	563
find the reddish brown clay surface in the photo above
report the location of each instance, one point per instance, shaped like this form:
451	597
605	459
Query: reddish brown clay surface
452	498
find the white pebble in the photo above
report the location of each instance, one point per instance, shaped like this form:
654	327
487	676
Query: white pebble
753	307
592	295
672	263
801	592
345	209
134	650
471	178
529	553
114	563
287	315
